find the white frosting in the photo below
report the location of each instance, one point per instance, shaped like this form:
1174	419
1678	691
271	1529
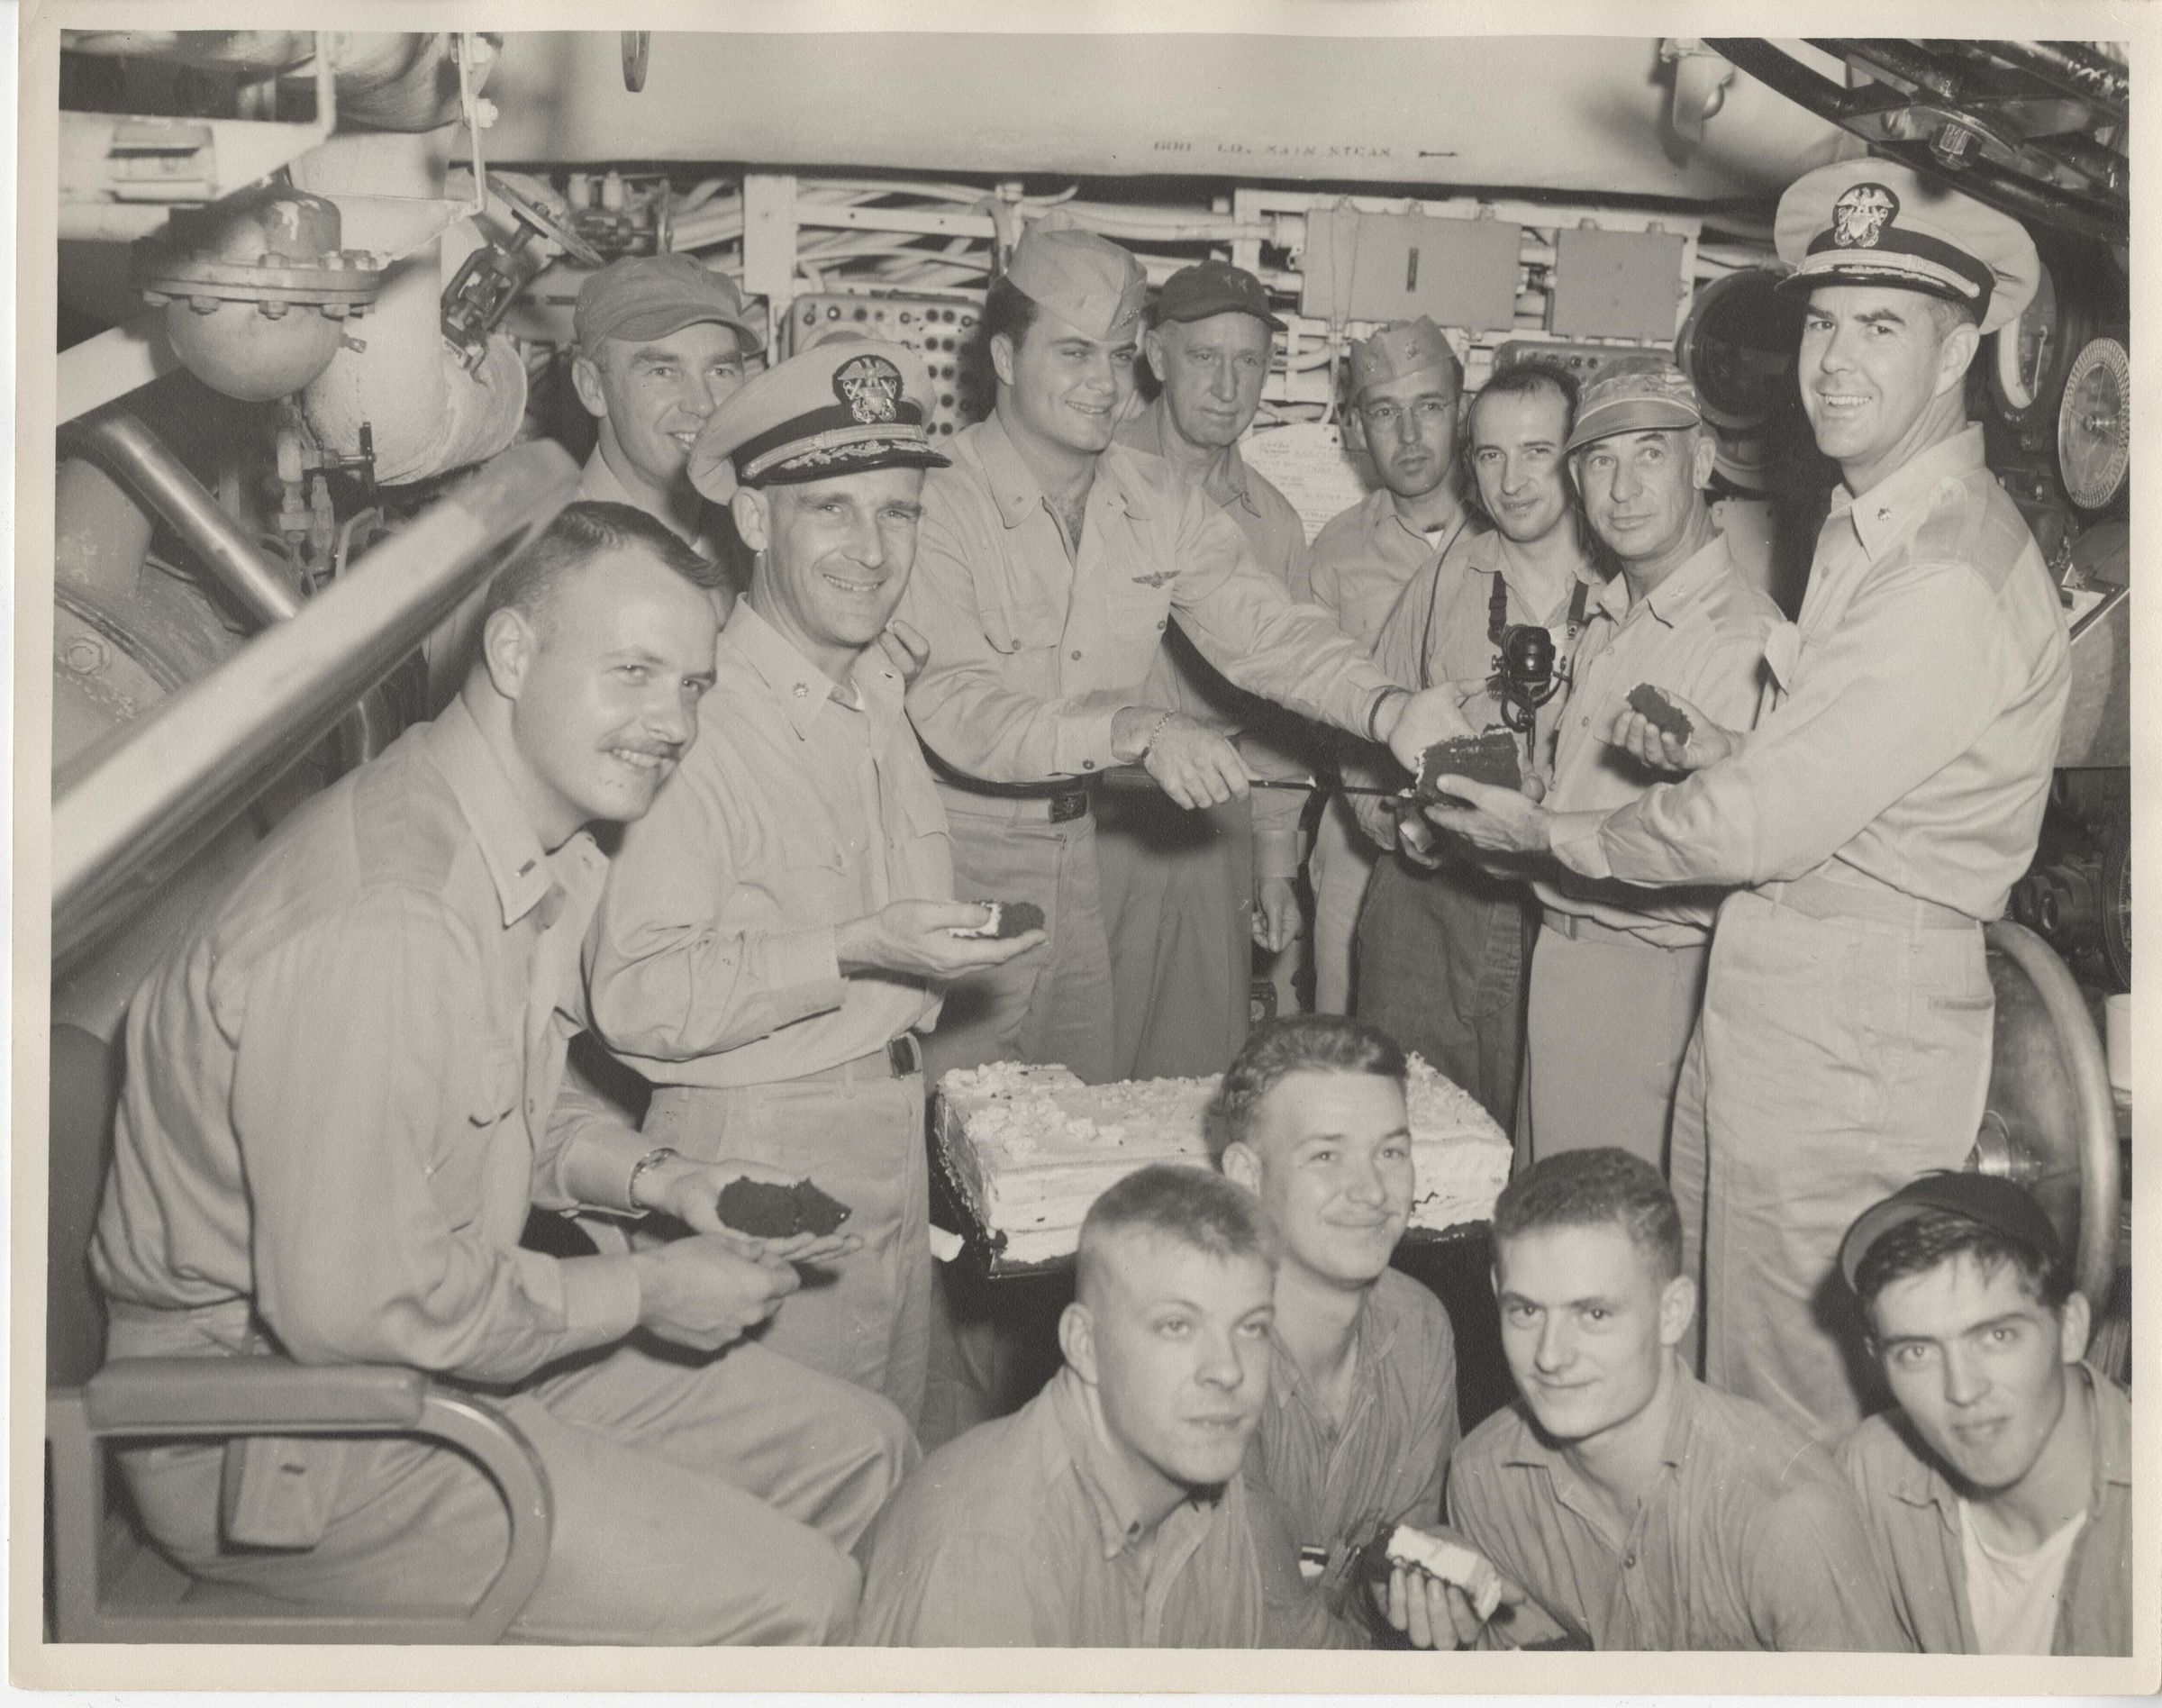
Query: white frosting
1033	1147
1453	1563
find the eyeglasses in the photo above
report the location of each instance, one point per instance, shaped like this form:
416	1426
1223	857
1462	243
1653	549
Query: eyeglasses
1426	410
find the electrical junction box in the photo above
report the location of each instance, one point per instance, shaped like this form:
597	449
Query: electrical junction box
1389	267
935	327
1617	285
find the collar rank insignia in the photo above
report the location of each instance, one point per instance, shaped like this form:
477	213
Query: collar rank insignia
871	386
1859	217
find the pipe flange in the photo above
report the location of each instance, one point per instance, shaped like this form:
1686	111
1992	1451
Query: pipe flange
345	283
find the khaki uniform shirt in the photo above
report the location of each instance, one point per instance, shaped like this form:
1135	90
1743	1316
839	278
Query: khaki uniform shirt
1915	712
1749	1540
1913	1515
1023	1533
1034	651
1700	633
1387	1457
1269	739
1360	562
1436	633
340	1084
800	807
715	539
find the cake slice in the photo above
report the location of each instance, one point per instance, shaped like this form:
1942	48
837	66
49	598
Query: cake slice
1490	757
1660	713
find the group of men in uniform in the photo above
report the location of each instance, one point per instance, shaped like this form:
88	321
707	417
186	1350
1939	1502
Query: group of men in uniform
348	1084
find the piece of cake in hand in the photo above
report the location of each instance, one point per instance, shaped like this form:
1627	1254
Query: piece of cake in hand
780	1212
1660	713
1006	919
1452	1562
1490	757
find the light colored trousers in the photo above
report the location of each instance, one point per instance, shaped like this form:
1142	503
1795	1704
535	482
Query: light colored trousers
1053	1004
695	1500
1340	870
1608	1023
865	1317
1178	894
1838	1058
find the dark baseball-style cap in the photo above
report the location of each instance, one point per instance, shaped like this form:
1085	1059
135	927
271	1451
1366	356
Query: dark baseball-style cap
652	295
1991	1202
1213	287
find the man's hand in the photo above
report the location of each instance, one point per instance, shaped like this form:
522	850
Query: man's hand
1498	821
906	650
690	1192
1429	1611
1415	837
916	938
1196	766
1643	739
1410	726
1278	916
703	1293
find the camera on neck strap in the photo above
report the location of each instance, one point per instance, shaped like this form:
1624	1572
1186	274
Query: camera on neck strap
1528	672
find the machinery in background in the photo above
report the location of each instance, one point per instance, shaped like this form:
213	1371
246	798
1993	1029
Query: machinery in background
300	303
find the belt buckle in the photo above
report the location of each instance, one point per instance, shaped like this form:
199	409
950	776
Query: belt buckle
1073	804
905	1055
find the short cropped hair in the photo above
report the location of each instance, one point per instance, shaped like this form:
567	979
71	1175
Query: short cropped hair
1947	315
1191	1207
1298	1044
1527	378
529	584
1600	1188
1936	1237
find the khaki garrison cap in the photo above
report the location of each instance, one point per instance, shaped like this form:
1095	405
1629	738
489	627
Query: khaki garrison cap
1400	348
1878	223
839	409
1088	281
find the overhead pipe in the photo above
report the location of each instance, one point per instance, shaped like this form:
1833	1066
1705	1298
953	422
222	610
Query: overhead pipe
130	812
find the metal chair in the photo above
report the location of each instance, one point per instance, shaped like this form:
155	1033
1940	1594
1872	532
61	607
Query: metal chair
104	1583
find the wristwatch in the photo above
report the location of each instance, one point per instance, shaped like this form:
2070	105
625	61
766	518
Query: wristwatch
653	1159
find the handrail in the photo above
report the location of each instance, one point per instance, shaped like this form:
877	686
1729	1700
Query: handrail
129	811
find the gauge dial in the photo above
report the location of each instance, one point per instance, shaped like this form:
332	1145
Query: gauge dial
2095	424
2027	350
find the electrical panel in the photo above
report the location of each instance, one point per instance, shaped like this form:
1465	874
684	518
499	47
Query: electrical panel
1386	267
1617	284
937	328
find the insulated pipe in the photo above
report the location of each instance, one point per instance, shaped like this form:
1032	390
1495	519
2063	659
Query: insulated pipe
427	411
130	812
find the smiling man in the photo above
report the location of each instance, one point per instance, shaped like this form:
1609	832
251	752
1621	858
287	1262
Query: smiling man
1362	1395
1882	809
1443	941
1999	1493
341	1101
780	928
1639	1507
1054	561
662	341
1108	1511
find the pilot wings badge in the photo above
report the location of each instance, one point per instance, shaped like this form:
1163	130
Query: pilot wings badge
1859	217
871	386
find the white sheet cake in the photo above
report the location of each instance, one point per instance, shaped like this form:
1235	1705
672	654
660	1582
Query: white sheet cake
1032	1147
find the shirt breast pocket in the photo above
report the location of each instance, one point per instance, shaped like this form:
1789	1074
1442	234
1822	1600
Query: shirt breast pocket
461	1173
1014	620
1139	610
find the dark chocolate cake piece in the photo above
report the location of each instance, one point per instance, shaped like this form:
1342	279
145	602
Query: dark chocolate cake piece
1659	712
780	1213
1490	757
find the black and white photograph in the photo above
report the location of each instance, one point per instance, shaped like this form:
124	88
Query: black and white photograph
976	832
